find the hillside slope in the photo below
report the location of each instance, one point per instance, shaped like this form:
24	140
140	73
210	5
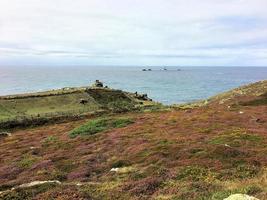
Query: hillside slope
199	153
252	94
66	102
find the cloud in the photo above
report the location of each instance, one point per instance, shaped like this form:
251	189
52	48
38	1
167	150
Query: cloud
184	32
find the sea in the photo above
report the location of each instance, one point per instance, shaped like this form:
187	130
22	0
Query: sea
173	85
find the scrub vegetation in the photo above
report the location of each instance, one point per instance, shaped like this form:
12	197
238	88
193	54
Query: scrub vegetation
99	125
203	152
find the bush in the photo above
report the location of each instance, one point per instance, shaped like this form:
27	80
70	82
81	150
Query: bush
237	138
27	161
195	173
99	125
121	122
120	106
120	163
49	140
249	190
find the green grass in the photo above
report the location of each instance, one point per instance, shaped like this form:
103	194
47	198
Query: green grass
241	171
51	106
27	161
195	173
236	138
250	190
55	143
42	105
100	125
52	103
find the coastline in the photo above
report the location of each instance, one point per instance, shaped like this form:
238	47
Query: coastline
67	104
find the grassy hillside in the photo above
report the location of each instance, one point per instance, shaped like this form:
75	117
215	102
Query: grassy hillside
256	92
48	104
66	102
205	152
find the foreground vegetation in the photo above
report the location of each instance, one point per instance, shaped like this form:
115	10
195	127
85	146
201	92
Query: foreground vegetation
200	152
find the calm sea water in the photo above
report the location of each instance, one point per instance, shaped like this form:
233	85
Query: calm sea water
172	86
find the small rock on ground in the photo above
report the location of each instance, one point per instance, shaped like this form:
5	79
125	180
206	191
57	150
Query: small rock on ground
240	197
34	183
5	134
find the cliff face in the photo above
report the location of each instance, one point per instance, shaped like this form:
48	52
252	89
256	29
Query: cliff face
199	152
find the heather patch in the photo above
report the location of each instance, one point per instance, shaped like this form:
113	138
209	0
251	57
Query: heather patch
240	171
196	173
256	102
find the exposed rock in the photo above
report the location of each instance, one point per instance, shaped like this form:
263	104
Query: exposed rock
35	183
83	101
31	184
227	145
98	84
66	88
257	120
123	170
5	134
240	197
114	170
143	97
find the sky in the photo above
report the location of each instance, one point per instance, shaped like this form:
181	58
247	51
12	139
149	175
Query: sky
133	32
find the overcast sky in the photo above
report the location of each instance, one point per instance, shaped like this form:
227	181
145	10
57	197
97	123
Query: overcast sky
133	32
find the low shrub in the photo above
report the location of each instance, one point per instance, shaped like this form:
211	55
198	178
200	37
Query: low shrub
120	106
120	163
195	173
49	140
236	138
242	171
99	125
143	187
27	161
250	190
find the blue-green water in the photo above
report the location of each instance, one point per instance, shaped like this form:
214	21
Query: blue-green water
172	86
